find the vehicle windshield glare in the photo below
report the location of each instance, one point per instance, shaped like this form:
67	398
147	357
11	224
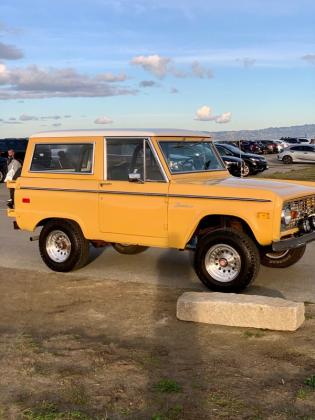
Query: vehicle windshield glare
193	156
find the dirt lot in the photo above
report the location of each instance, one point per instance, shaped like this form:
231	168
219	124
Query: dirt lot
76	348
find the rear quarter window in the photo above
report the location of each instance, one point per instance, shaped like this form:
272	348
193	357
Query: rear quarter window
63	158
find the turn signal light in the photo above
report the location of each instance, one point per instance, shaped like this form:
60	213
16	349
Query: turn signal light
26	200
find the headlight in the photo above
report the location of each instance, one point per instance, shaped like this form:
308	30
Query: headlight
286	216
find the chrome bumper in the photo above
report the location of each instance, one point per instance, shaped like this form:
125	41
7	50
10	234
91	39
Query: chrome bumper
293	242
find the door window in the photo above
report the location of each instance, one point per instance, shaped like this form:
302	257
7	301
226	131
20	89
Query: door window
126	157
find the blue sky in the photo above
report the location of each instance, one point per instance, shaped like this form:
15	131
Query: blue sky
204	65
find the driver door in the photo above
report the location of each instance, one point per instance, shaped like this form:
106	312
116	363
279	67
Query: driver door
133	197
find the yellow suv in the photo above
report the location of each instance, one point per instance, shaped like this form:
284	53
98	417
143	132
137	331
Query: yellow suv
161	188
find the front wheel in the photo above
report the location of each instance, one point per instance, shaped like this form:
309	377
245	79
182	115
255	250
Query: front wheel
287	159
281	259
226	260
1	176
62	246
245	171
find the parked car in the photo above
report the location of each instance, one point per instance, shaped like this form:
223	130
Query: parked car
270	146
234	165
252	163
280	145
250	147
303	140
290	140
18	145
162	188
3	168
300	153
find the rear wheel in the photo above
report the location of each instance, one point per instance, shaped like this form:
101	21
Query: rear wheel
282	259
129	249
1	176
226	260
62	246
287	159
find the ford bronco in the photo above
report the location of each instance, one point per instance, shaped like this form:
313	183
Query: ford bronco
160	188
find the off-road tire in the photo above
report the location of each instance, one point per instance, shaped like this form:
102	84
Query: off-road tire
79	252
244	247
129	249
287	159
283	259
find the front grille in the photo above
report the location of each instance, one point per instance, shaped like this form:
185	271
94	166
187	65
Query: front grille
304	207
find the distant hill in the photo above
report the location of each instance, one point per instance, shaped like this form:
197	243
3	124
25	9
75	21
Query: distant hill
272	133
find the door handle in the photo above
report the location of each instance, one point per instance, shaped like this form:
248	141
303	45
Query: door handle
102	184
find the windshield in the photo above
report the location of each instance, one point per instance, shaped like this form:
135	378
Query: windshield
233	148
194	156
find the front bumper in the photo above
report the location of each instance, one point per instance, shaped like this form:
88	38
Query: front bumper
293	242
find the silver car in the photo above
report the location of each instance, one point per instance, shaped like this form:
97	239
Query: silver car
298	153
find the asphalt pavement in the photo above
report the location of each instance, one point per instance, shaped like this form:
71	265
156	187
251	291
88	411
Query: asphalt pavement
164	267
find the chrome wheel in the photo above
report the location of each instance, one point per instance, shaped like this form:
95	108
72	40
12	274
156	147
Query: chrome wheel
223	263
58	246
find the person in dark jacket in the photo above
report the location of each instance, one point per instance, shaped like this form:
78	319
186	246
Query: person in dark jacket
14	171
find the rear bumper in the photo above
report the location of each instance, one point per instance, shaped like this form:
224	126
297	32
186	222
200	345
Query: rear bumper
293	242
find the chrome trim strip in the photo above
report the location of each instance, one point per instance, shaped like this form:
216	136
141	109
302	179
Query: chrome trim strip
207	197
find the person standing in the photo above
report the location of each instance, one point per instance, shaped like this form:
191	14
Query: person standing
14	171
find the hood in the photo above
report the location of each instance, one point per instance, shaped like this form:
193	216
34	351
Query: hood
247	188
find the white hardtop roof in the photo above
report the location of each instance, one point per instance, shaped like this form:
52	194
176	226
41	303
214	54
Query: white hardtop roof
150	132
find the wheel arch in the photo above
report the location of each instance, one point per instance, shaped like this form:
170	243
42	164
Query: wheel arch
44	222
217	221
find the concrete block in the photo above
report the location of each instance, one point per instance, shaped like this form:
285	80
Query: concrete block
240	310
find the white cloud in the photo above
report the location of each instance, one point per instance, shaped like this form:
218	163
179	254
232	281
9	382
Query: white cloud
34	82
103	120
224	118
153	63
111	78
205	114
199	71
163	66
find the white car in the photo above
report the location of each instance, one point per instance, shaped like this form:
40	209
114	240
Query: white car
298	153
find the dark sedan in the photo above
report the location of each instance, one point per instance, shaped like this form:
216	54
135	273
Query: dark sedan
234	165
252	163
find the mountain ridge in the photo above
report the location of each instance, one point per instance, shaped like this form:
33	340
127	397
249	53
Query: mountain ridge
270	133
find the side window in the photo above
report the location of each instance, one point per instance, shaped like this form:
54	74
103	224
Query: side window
124	156
63	158
296	148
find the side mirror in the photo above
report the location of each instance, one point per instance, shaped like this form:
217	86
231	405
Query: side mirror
135	177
